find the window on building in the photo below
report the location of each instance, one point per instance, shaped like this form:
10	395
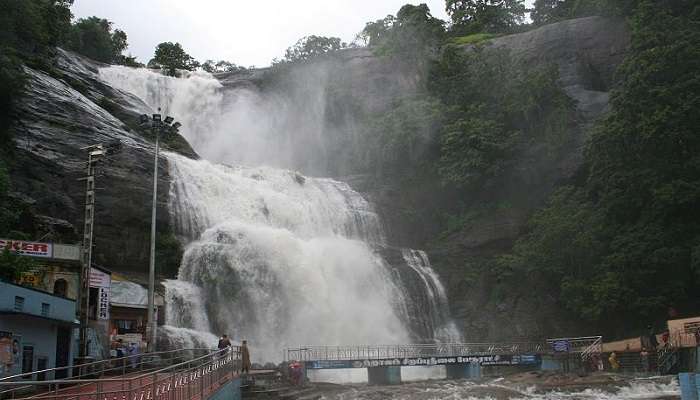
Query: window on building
60	287
42	363
19	303
126	326
27	360
45	309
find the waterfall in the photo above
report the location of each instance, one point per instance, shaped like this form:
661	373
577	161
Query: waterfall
442	325
273	256
283	261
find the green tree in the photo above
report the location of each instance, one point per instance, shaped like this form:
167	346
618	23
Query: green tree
376	32
212	66
414	33
93	37
13	265
170	57
312	46
548	11
491	16
493	104
129	61
405	136
621	244
31	28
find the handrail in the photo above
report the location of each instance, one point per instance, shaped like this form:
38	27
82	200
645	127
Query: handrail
4	382
593	348
201	373
355	352
84	366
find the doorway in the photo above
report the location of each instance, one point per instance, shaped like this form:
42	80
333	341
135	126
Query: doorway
63	336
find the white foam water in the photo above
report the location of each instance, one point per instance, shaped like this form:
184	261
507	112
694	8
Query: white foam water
283	261
273	256
461	390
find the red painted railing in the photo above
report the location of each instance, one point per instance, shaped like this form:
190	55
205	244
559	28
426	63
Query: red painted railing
193	379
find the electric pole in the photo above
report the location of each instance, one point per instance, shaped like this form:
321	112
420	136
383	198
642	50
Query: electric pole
95	154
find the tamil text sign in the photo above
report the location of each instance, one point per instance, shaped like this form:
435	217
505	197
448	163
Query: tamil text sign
426	361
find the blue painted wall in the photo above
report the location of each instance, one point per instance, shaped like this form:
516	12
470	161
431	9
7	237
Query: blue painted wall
59	308
34	327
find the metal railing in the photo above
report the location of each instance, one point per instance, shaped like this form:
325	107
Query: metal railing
585	346
194	375
594	347
111	367
314	353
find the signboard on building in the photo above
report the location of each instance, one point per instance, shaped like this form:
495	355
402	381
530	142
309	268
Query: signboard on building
103	304
103	282
41	250
561	346
34	249
66	252
99	279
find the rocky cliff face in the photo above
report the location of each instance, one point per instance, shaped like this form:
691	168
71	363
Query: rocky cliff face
61	114
316	108
586	52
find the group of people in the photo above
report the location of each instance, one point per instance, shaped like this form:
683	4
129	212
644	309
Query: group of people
120	349
225	344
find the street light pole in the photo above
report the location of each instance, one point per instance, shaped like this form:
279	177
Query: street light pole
156	127
152	263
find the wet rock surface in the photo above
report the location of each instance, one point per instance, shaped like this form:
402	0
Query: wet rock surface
60	115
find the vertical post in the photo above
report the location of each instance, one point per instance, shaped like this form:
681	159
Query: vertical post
84	304
152	323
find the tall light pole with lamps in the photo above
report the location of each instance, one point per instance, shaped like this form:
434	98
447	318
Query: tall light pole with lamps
158	126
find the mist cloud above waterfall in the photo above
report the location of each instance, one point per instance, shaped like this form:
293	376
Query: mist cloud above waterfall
245	32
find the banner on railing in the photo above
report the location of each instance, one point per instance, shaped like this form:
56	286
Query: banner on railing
494	360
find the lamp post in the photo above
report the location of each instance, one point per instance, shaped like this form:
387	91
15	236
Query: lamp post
158	126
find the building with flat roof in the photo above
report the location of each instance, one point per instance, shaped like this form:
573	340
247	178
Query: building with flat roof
36	332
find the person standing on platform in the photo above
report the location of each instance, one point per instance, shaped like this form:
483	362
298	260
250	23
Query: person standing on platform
245	357
614	364
224	344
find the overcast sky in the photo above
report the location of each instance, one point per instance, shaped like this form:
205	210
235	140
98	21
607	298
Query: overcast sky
241	31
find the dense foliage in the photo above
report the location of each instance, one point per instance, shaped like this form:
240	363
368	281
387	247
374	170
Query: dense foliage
29	31
93	37
310	47
13	265
414	33
170	57
619	244
493	105
548	11
622	243
212	66
492	16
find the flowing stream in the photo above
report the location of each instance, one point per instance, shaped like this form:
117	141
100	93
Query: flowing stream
271	255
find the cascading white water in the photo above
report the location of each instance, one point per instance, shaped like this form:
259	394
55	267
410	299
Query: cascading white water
443	326
273	256
186	321
281	259
237	127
